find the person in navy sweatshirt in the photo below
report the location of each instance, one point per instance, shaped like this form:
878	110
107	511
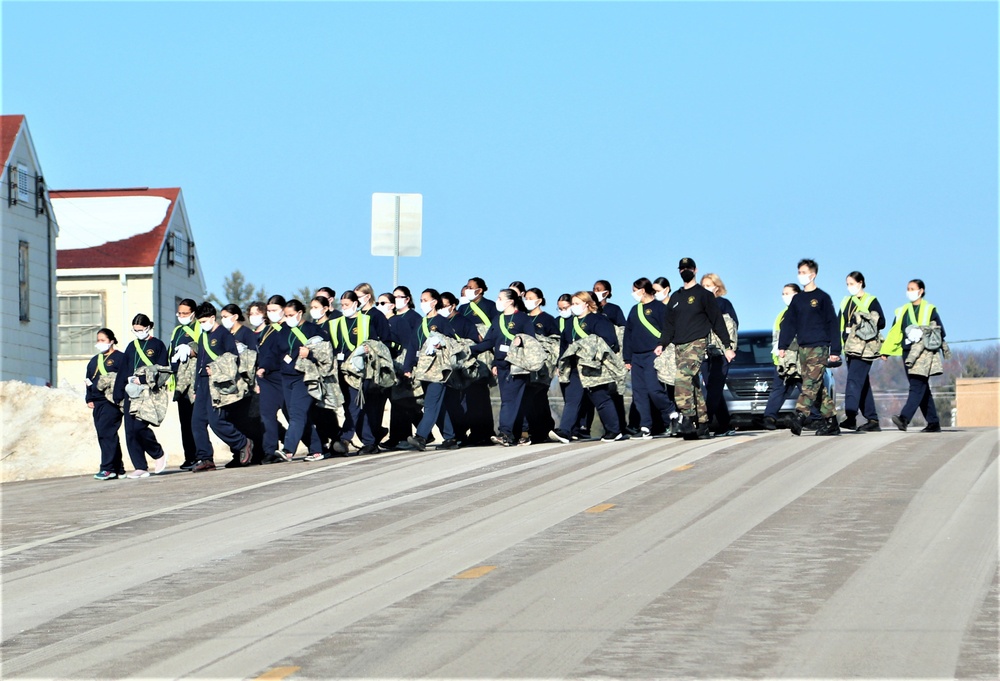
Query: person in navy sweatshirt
293	345
512	319
641	345
214	341
536	396
477	405
107	415
813	319
184	334
405	412
145	350
245	414
269	361
586	321
715	368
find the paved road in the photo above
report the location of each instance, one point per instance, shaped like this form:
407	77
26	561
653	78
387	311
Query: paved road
762	555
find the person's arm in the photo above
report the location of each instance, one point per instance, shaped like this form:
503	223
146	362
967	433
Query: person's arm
718	323
877	307
789	328
488	342
833	329
935	317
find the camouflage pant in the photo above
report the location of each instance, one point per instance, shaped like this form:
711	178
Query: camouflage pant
687	388
812	365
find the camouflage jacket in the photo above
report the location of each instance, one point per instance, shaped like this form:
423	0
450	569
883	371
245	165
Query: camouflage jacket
863	337
248	367
319	372
106	384
447	360
595	363
406	387
371	361
226	385
921	361
185	377
715	341
150	402
788	366
666	365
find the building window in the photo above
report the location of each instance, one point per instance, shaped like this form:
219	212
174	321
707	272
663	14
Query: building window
177	249
22	281
24	182
81	316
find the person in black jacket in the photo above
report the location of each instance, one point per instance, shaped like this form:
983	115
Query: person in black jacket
107	415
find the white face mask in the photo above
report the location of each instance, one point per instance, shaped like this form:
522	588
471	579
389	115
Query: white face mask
531	304
470	293
363	300
913	296
141	335
316	313
578	310
502	305
103	347
854	290
400	303
804	279
386	308
275	317
228	322
660	295
185	320
350	312
292	321
425	307
787	297
637	295
463	299
207	326
256	320
567	313
445	311
709	288
601	295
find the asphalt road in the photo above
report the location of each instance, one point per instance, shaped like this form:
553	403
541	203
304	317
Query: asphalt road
764	555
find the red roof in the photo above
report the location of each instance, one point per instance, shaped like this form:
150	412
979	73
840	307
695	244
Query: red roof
140	250
9	127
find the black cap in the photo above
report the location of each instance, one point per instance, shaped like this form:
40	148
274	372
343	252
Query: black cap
686	264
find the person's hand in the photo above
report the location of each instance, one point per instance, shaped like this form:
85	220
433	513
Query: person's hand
260	373
303	352
730	355
90	404
628	367
658	350
834	359
516	342
256	389
781	354
408	374
494	371
134	379
885	357
208	370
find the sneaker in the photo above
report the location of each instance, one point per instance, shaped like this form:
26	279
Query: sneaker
703	432
419	443
524	442
135	475
451	443
369	449
850	423
645	434
203	465
901	422
770	423
561	435
614	437
503	439
273	457
233	463
246	453
315	456
105	475
342	446
931	428
795	422
187	465
160	464
870	427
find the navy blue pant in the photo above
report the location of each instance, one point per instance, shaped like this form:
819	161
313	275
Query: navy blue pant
298	403
600	396
647	390
365	420
139	439
184	412
272	400
478	412
920	396
442	406
511	395
714	371
858	392
107	421
205	416
537	411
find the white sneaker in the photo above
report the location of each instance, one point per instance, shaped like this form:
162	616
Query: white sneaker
160	464
138	474
645	434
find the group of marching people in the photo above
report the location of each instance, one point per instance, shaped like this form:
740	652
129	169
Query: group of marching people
330	365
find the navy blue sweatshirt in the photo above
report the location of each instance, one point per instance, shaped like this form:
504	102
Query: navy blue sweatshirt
245	335
637	337
219	341
590	324
691	314
813	319
112	363
726	307
455	327
183	334
378	329
401	328
152	348
290	343
613	313
269	348
515	323
487	307
545	324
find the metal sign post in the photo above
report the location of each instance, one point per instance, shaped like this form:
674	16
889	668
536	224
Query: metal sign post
397	224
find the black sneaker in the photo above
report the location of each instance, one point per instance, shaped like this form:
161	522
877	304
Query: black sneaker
850	423
645	434
770	423
901	422
703	432
614	437
369	449
561	435
451	443
931	428
870	427
418	442
341	446
188	465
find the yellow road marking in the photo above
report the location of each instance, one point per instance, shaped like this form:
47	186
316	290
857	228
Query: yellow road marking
476	572
600	508
277	673
684	467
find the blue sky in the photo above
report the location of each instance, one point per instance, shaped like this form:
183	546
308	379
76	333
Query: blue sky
553	143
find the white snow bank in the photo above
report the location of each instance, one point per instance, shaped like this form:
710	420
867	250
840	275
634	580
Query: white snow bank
85	222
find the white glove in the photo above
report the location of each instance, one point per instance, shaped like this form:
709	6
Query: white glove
914	334
182	353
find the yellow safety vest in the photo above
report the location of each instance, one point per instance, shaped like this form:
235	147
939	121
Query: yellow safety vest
893	344
864	304
645	322
363	326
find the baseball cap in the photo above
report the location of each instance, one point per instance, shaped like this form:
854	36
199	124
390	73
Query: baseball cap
686	264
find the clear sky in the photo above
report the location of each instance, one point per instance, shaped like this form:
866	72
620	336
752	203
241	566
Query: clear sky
553	143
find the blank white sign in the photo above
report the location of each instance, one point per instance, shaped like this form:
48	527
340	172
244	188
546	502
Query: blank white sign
411	207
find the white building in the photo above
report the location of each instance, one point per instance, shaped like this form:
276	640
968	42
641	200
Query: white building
27	262
121	252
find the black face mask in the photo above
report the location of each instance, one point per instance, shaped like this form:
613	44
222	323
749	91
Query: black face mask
687	275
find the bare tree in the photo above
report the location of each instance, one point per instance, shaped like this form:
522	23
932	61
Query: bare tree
238	291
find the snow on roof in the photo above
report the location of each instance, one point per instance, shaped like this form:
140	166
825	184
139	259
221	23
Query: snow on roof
93	221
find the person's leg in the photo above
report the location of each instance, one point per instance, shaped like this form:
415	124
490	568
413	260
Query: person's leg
271	401
572	399
107	420
511	394
434	396
185	410
605	407
641	388
201	418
